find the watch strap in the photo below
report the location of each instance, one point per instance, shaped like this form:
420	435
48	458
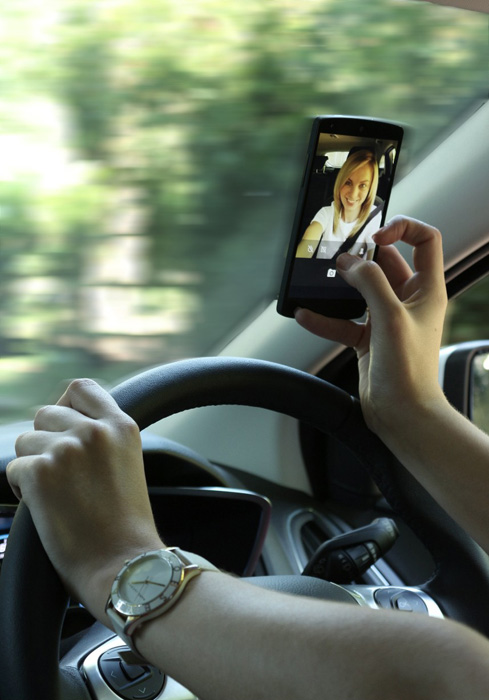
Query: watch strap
118	625
193	565
190	558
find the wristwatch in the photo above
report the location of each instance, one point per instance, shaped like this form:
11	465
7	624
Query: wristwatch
149	585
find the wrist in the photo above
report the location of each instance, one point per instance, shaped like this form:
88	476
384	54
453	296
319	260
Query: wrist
148	586
408	416
95	582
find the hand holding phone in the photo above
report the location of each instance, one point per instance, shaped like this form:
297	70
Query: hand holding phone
342	203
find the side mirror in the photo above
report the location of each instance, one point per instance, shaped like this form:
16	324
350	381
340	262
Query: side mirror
464	377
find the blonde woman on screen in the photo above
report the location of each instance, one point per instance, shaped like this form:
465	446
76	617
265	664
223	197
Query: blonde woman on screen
351	216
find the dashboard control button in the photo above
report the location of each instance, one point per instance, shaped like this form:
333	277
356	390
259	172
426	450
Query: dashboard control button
383	596
408	601
400	599
130	681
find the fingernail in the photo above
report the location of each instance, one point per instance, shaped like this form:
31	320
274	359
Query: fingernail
345	261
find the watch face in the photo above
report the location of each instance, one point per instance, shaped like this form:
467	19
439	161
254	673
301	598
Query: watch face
147	583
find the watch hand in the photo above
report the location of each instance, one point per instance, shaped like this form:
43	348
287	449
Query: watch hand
148	581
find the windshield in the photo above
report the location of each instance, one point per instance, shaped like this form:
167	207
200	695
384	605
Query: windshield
151	152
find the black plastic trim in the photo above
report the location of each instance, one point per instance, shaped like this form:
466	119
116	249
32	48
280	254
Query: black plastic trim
467	272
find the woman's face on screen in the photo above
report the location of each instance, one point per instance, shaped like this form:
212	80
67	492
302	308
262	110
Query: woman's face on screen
354	192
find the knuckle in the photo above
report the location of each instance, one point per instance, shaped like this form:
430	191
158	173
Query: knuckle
398	219
126	423
78	385
43	465
41	415
38	469
10	469
20	441
42	473
123	422
101	433
368	269
422	229
125	429
399	222
436	234
94	433
66	453
23	443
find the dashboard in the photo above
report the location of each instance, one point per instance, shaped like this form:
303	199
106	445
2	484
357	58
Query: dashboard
225	525
256	528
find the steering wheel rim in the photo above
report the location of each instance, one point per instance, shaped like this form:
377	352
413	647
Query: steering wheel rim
32	625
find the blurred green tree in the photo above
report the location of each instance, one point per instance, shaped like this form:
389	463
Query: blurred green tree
184	125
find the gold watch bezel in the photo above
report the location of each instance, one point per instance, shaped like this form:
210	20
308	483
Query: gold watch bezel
147	606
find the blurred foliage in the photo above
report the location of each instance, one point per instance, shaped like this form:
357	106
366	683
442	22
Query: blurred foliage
152	150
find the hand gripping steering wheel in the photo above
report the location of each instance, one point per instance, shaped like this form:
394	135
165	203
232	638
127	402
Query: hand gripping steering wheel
32	598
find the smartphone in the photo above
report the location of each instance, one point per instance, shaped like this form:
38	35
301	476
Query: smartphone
343	198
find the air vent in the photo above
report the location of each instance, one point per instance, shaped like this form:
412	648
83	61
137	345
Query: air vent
307	530
312	535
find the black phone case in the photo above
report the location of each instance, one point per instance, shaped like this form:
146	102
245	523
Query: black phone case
341	300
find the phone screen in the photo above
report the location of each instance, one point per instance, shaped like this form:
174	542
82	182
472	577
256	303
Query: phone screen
342	203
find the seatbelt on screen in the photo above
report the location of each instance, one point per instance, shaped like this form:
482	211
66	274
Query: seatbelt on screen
351	240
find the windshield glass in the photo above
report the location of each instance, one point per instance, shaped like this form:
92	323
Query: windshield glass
151	152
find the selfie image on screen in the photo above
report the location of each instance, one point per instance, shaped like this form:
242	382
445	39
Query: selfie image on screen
348	186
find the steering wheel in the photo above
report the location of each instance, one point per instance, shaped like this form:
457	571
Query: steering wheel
33	599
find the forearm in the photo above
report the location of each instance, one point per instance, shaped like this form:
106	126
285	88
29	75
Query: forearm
227	638
449	456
